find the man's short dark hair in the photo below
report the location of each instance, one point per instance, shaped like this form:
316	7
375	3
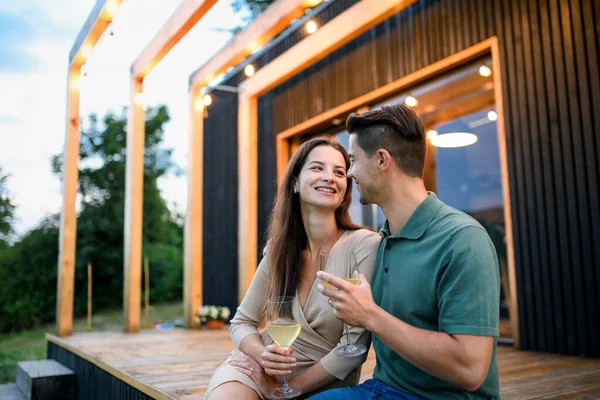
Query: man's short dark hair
395	128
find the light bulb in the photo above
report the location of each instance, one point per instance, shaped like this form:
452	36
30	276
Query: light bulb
249	70
311	27
411	101
492	115
207	100
485	71
139	99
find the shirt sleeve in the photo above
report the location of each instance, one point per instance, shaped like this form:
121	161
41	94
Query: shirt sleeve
365	248
469	285
250	312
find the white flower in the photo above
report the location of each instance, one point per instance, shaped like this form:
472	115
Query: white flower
214	312
225	313
204	310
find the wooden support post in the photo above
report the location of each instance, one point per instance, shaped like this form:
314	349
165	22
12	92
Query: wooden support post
248	192
68	220
89	299
133	209
192	283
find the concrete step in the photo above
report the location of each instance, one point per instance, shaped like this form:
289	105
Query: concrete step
11	391
45	379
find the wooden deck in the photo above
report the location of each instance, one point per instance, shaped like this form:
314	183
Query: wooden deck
177	364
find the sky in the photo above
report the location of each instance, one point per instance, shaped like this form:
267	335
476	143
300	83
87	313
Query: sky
35	39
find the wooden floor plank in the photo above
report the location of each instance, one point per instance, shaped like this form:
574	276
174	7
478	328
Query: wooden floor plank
179	363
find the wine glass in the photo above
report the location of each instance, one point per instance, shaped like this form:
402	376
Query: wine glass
352	276
283	329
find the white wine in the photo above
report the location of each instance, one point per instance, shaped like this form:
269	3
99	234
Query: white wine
354	281
283	332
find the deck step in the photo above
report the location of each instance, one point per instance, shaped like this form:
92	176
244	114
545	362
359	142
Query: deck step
11	391
45	379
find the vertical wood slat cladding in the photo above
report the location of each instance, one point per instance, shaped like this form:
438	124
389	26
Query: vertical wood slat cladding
220	201
550	56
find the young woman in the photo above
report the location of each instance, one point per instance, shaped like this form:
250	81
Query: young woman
310	220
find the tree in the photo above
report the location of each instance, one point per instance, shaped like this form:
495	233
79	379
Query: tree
28	269
7	209
255	7
100	236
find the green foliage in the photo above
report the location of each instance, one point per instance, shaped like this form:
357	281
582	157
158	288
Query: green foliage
28	268
253	8
7	209
28	276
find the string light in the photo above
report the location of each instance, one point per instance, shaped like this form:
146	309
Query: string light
207	100
311	27
249	70
139	99
411	101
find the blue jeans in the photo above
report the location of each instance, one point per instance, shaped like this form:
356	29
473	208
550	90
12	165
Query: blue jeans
369	390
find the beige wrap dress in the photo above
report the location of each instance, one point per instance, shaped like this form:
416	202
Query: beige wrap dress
321	331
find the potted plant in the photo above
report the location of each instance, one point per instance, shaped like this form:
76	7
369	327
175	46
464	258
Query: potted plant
213	316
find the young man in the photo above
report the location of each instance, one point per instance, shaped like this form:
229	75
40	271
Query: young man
433	306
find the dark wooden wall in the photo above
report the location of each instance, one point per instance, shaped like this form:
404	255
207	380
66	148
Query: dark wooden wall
220	201
549	52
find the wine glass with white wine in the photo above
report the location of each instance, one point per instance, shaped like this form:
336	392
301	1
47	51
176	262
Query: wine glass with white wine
283	329
351	276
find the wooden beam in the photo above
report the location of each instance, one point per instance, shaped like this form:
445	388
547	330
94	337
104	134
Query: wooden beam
93	28
68	220
192	283
90	33
134	201
268	24
342	29
247	193
178	25
510	250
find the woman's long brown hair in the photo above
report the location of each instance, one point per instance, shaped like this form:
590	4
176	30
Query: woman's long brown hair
286	234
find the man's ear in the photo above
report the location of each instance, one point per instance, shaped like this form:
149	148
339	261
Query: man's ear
384	159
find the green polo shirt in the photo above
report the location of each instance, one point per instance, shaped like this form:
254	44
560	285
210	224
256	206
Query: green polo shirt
440	273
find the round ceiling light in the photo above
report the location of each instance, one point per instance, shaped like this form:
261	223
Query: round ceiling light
485	71
455	139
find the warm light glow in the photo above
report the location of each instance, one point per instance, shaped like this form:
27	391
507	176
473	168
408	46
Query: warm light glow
312	3
249	70
76	82
411	101
207	100
86	51
431	134
199	103
336	121
203	90
112	8
492	116
139	99
456	139
311	27
484	70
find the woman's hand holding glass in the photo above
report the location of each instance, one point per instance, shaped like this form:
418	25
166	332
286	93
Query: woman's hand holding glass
277	361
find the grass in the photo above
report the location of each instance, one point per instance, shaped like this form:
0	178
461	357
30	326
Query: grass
31	345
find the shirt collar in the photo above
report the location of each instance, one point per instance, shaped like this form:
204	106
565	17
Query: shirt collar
419	221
